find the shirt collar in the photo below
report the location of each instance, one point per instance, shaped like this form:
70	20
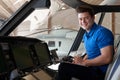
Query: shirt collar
92	30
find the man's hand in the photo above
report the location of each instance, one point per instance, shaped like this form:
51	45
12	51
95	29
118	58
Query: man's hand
78	60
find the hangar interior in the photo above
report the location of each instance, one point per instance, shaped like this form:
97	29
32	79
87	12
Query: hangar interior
56	25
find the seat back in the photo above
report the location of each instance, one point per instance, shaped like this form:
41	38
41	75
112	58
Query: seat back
114	65
116	75
117	42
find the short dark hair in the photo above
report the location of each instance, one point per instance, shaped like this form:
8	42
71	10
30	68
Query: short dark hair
85	8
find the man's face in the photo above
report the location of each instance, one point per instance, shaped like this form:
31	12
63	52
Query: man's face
85	20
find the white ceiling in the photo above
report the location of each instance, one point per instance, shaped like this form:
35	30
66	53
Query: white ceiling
8	7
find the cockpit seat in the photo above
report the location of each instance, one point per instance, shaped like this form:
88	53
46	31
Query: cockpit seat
114	66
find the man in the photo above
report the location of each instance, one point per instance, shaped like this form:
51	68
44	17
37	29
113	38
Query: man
99	43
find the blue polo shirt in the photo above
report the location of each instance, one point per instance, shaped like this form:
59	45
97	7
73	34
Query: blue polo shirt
97	38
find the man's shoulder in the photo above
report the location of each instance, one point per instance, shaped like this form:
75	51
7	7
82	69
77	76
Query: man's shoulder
102	29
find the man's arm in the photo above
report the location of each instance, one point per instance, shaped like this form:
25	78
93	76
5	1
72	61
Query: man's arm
105	57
